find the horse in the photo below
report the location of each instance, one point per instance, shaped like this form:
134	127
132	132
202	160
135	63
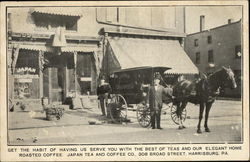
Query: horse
206	91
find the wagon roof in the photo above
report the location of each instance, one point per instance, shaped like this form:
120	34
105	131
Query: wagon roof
161	68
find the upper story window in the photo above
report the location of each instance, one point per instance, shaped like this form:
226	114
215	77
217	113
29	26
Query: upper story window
112	14
209	39
109	14
152	17
196	43
197	58
50	21
238	51
210	56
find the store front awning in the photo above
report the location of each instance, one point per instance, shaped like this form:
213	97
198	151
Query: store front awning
34	47
136	52
44	48
63	11
78	49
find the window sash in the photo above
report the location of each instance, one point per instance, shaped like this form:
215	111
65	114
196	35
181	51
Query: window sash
209	39
210	56
196	43
198	57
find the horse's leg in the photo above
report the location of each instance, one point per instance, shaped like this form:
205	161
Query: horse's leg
183	105
178	109
208	107
200	117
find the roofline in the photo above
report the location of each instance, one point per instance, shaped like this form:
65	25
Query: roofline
128	31
215	28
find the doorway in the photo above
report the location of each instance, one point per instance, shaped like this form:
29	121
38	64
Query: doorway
57	84
54	79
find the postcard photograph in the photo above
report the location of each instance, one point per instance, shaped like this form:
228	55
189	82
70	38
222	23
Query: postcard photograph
125	75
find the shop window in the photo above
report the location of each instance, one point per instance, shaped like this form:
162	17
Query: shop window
238	51
26	88
196	44
26	79
209	39
197	57
83	70
210	56
27	63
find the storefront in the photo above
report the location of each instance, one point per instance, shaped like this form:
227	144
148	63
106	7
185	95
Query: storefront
69	74
38	71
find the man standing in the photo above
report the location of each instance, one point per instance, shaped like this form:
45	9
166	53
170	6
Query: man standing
103	90
156	93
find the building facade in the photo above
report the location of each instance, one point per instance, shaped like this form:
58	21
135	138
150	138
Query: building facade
221	46
59	52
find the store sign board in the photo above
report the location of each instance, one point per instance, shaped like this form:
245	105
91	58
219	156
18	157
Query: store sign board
26	70
25	80
86	79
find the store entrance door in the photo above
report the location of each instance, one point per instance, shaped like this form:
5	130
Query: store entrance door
57	84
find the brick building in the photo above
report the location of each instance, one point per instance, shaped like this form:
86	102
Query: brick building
220	46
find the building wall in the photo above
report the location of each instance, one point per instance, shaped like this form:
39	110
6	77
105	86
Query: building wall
224	40
93	19
24	20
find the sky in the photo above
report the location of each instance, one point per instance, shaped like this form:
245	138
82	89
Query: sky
214	16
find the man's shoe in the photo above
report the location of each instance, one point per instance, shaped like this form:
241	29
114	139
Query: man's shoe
153	127
160	128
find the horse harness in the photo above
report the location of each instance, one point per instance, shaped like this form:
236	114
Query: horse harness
211	93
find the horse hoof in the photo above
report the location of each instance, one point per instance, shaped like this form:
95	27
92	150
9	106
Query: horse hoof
199	131
180	127
207	130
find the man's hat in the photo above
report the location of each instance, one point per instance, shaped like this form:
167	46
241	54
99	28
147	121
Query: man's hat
157	76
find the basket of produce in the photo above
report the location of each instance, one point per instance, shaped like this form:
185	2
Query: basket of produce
54	112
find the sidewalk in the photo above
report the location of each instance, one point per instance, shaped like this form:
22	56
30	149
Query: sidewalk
37	119
28	127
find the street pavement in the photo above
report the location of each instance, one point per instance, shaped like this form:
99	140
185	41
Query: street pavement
31	127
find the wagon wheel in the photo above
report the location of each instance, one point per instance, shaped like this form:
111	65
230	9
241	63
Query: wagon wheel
174	114
143	115
118	112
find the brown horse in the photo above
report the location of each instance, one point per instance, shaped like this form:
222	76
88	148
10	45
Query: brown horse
206	91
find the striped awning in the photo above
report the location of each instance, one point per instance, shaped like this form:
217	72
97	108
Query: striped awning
51	49
64	11
35	47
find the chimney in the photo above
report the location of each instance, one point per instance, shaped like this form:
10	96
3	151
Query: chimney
202	23
230	21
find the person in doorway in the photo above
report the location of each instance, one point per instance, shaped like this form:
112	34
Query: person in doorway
156	93
103	91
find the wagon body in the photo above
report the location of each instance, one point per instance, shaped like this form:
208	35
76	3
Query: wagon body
129	82
128	87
